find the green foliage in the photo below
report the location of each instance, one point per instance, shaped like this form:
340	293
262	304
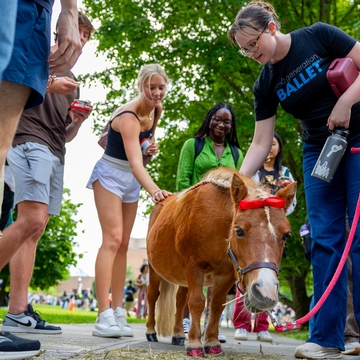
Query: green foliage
189	39
55	250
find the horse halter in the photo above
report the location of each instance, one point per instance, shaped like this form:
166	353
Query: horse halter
275	202
257	265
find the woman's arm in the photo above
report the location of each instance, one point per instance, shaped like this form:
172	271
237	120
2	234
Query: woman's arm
129	128
259	148
341	113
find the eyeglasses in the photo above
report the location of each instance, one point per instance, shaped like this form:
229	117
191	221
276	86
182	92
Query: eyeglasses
219	121
253	47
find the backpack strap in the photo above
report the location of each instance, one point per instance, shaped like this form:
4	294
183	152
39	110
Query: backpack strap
199	144
235	153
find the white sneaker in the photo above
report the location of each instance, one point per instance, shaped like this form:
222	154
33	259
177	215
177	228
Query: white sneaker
314	351
264	336
186	325
121	321
240	334
352	348
106	325
222	337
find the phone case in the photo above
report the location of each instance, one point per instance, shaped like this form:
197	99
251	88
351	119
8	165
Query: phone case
341	74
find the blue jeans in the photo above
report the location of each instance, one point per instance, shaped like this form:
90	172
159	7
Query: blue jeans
327	205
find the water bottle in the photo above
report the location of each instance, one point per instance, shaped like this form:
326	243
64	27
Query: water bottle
331	155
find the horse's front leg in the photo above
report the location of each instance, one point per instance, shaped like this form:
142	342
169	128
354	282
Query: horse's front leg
152	293
179	335
196	303
219	291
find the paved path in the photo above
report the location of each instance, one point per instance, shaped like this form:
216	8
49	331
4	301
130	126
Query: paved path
76	342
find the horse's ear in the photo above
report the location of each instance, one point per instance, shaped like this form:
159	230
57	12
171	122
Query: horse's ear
288	193
238	189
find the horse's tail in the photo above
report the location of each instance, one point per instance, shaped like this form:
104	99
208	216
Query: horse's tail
166	308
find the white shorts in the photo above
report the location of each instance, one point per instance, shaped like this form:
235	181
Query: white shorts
119	182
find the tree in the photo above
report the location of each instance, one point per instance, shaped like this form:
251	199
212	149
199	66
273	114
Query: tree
189	39
55	250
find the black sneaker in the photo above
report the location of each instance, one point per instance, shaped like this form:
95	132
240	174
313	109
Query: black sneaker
13	347
28	322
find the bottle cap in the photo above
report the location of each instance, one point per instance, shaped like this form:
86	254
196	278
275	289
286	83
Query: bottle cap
304	230
341	132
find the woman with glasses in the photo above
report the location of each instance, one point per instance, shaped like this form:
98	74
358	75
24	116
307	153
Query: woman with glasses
294	75
217	139
214	144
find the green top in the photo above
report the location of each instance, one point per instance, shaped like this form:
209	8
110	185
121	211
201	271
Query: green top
190	172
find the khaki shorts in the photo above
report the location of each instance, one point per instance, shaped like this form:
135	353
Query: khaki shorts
129	305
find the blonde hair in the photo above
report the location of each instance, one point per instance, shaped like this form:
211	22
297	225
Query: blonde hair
256	15
146	73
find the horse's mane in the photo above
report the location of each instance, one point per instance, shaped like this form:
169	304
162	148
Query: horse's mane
222	177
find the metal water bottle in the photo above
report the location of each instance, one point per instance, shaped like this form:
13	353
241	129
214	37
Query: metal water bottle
331	155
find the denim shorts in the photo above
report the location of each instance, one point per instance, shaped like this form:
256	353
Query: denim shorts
119	182
28	63
39	175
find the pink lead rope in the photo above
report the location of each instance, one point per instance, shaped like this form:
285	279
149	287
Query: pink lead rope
295	325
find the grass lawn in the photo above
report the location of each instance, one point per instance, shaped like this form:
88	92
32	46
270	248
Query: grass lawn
57	315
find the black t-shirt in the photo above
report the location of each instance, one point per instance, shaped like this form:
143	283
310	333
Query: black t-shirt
129	293
298	82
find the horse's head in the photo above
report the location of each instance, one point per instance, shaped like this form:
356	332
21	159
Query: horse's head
257	239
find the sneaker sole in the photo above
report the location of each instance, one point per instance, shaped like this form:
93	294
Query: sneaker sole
355	351
265	340
127	334
240	338
18	329
321	355
105	335
15	355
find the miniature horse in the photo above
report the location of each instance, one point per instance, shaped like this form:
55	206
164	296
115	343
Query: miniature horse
190	236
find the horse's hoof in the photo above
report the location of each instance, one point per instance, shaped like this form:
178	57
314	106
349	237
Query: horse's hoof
195	352
177	340
151	337
213	350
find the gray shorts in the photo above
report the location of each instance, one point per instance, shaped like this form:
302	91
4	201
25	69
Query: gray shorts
38	175
119	182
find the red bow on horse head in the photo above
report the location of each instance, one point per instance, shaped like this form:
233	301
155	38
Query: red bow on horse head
276	202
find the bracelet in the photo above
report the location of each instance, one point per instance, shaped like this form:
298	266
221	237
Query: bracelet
153	194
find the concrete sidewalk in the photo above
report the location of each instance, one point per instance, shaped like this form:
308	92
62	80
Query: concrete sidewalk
77	342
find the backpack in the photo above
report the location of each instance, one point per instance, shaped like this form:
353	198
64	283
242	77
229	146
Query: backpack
199	144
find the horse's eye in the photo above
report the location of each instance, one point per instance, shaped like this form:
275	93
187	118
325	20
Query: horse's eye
239	231
286	236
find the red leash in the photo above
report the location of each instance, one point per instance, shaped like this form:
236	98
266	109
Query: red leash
295	325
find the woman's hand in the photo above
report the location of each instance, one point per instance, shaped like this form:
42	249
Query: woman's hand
160	195
152	149
340	115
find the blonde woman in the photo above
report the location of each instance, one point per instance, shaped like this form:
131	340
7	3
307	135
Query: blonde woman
116	181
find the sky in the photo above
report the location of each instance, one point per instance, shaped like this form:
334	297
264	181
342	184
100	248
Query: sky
81	155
